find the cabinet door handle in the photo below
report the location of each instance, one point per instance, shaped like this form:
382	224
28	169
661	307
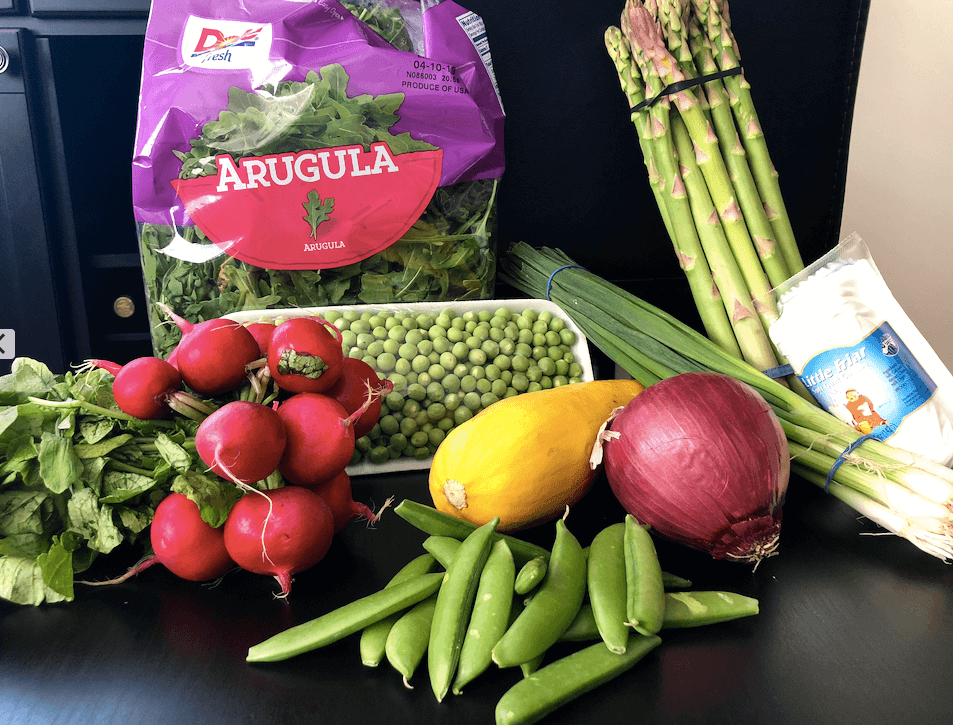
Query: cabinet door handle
124	306
4	59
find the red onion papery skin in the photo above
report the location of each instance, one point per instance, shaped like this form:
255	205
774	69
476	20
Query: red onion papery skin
703	460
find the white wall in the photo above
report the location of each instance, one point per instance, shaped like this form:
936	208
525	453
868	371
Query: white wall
900	169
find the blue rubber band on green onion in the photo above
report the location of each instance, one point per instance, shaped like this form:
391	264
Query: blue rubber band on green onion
842	457
549	282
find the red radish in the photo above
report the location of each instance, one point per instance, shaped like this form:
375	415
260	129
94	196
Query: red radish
171	359
212	356
351	389
144	386
279	532
242	441
337	494
262	332
183	543
320	440
304	356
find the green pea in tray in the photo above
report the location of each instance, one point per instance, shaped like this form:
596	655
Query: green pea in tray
447	361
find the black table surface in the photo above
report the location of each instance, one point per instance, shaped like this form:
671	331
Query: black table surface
853	628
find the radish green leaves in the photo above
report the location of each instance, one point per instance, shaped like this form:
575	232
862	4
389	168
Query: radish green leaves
78	478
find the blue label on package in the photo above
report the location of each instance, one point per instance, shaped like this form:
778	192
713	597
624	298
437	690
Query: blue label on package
877	382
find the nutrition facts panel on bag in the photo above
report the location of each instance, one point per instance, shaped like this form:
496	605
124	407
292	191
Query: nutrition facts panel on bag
475	29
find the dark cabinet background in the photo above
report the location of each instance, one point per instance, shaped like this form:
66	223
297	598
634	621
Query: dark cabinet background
574	178
67	236
93	8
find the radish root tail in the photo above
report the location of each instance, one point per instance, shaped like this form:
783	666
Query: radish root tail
284	579
376	515
251	489
140	566
372	395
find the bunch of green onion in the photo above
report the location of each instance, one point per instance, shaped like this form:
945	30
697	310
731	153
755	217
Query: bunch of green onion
905	494
708	166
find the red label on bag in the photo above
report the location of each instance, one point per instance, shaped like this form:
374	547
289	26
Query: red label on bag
312	209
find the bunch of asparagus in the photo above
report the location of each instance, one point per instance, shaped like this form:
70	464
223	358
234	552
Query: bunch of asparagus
708	165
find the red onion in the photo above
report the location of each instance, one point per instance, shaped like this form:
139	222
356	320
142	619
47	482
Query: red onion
703	460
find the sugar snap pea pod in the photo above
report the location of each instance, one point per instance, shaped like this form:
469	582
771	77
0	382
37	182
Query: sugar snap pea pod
408	638
554	604
682	610
491	615
374	636
442	548
673	581
454	607
434	522
694	609
583	626
341	622
606	578
530	575
528	668
645	607
565	679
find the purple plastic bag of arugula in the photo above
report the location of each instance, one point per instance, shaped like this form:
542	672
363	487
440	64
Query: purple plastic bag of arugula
301	154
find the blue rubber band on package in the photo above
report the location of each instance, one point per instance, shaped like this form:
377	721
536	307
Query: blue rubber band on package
781	371
842	457
549	282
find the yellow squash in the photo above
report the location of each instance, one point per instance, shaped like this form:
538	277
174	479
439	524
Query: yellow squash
525	458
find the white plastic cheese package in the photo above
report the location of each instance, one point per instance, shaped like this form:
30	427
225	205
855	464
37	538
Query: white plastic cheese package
860	355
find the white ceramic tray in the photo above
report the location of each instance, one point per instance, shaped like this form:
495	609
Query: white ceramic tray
580	349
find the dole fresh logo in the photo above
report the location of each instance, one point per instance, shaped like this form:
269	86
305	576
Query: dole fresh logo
220	44
212	41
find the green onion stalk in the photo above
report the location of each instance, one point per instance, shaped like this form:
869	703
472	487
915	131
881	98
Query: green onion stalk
906	494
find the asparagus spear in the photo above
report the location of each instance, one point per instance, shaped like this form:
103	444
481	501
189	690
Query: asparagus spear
672	200
618	51
712	16
699	63
658	69
748	329
669	15
645	36
682	31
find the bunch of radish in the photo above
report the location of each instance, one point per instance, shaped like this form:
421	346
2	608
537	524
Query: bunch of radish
306	433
